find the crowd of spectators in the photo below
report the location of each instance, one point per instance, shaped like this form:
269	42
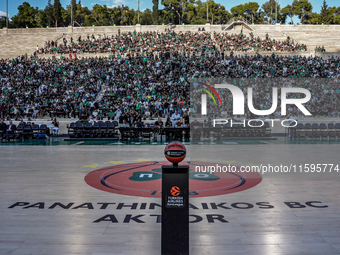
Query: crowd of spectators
158	42
320	49
149	84
233	42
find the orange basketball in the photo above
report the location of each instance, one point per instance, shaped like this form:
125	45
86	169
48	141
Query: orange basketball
175	152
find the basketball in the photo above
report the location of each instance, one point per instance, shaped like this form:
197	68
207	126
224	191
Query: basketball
175	152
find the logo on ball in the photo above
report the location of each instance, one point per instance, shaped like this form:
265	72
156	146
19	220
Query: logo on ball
175	152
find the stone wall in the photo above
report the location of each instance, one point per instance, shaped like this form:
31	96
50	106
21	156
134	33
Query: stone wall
142	28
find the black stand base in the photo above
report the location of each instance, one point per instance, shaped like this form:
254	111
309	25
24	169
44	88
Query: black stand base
175	210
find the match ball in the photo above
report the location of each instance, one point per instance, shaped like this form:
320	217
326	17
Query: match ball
175	152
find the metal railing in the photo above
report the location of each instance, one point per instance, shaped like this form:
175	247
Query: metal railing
238	19
229	24
171	26
59	38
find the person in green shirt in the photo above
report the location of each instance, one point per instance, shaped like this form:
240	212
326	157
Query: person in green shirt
111	115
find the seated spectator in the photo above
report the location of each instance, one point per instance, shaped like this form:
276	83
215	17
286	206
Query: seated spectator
84	117
159	122
95	114
148	114
168	122
55	129
10	130
179	123
206	130
186	119
175	117
91	121
100	115
110	115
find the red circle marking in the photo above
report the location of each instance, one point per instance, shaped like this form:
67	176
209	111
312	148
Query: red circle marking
144	179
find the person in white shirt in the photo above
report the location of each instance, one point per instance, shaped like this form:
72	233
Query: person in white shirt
175	117
95	114
91	121
118	113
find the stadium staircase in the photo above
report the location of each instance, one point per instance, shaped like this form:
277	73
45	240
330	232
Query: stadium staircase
102	92
15	45
236	22
327	38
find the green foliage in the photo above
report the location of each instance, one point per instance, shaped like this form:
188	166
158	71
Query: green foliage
286	12
41	18
146	17
57	11
326	14
336	13
303	9
73	8
251	8
155	12
313	18
176	11
337	20
26	16
49	13
269	9
238	10
3	22
213	11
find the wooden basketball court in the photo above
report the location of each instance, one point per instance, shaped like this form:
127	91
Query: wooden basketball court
49	206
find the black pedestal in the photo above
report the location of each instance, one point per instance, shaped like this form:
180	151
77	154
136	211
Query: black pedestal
175	210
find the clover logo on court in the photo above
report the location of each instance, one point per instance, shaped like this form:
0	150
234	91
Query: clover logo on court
143	179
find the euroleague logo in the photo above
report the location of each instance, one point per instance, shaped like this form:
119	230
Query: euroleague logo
175	191
145	180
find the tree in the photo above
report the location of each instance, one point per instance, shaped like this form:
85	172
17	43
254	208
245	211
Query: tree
191	12
49	12
101	15
312	18
146	17
25	16
176	9
65	15
269	9
303	8
291	10
155	12
73	9
131	16
238	10
213	10
81	12
252	8
259	17
286	11
325	13
336	13
41	18
57	12
3	22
